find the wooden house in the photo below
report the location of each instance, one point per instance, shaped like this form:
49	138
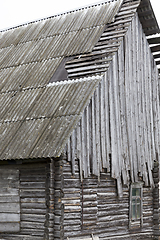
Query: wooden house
80	125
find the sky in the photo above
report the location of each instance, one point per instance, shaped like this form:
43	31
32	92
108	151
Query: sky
16	12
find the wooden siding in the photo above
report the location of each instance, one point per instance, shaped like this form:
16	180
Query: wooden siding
9	201
122	119
93	207
34	220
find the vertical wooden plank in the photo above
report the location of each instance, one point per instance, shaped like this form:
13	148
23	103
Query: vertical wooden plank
141	122
73	145
114	148
133	94
116	100
102	130
138	95
116	110
94	156
69	149
107	118
152	155
150	68
145	110
79	149
83	129
97	122
122	105
88	141
128	110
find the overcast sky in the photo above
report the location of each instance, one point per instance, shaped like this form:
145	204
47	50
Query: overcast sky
16	12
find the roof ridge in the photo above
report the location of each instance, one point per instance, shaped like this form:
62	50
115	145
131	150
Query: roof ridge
59	14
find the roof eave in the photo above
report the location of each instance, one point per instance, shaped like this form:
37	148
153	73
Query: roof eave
148	18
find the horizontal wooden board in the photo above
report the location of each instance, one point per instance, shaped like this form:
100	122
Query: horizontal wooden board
9	207
33	205
33	200
32	225
33	217
9	174
32	192
9	199
9	217
8	191
9	227
33	185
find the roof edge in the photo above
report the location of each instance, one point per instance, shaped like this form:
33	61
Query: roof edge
59	14
148	18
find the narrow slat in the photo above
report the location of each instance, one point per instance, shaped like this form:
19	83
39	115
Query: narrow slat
87	141
102	130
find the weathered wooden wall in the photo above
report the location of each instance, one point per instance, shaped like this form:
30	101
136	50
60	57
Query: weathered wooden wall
93	207
9	200
33	190
119	137
122	118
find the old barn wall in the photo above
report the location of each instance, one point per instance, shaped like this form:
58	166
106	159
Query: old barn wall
33	192
92	206
121	121
122	118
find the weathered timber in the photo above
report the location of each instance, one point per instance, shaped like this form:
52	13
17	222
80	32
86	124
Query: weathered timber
156	201
128	134
32	189
96	207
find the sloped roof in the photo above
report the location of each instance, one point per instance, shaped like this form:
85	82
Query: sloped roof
41	126
30	54
37	117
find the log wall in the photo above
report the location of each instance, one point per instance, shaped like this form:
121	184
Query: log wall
93	207
9	201
33	189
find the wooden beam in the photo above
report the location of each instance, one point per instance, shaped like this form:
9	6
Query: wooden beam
154	40
144	13
157	62
156	56
151	31
147	23
155	48
144	3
